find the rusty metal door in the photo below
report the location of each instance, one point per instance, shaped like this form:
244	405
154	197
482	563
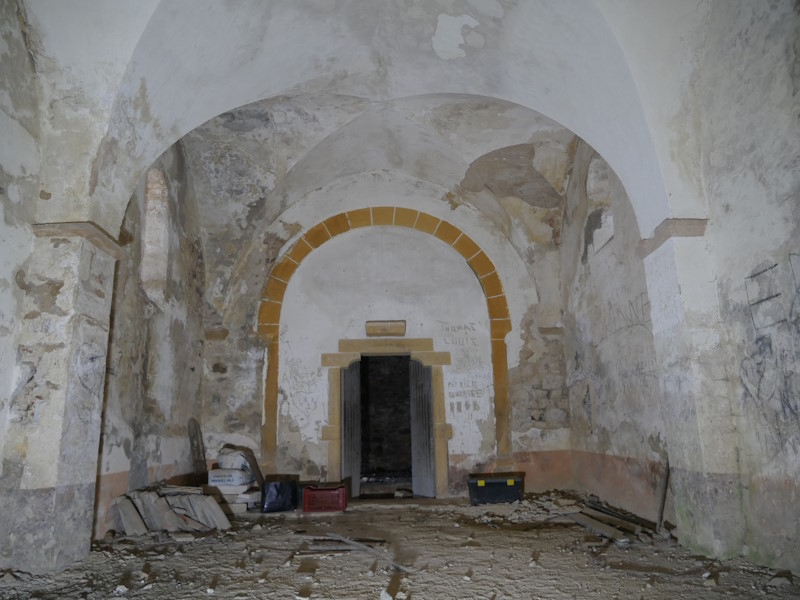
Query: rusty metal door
422	465
351	427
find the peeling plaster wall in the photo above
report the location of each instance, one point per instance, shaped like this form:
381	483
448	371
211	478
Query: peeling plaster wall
703	96
264	172
745	96
612	376
381	51
81	52
373	274
251	165
154	376
19	180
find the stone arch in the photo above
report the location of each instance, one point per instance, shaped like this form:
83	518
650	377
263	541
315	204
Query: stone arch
269	312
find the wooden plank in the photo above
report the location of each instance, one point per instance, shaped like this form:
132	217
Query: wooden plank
131	519
169	520
145	507
206	510
171	490
604	508
613	521
155	511
369	550
181	506
198	449
599	528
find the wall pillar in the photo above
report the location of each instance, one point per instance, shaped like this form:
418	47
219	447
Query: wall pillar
700	424
51	450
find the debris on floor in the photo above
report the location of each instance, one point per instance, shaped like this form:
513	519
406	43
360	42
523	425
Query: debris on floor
406	549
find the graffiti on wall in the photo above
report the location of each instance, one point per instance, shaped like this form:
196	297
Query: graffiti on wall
770	370
463	335
618	316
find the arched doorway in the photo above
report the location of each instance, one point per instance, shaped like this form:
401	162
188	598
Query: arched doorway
479	263
387	426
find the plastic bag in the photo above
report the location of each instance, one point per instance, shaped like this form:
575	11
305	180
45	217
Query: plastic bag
278	496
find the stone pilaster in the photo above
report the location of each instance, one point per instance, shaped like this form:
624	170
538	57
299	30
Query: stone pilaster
700	425
51	450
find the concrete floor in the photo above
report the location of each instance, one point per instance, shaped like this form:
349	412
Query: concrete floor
444	550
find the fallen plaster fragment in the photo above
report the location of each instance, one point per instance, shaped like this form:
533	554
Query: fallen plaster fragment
368	550
781	579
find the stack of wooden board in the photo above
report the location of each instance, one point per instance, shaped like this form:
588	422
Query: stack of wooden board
170	508
612	523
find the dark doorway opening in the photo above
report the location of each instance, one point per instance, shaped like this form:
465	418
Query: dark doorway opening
385	425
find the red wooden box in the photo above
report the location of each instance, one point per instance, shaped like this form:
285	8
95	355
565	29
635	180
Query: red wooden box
327	499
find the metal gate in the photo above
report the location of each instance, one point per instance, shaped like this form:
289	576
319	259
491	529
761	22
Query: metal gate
351	427
422	465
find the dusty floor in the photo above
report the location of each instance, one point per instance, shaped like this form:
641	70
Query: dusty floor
441	550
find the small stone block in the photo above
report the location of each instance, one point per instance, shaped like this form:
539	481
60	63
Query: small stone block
405	217
481	264
269	312
284	269
330	433
317	235
426	223
466	247
337	224
491	285
551	331
499	328
498	307
383	215
299	251
268	330
339	359
447	232
385	328
359	218
274	289
216	333
443	431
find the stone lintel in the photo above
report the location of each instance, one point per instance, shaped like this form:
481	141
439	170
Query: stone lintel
85	229
670	228
380	346
431	359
